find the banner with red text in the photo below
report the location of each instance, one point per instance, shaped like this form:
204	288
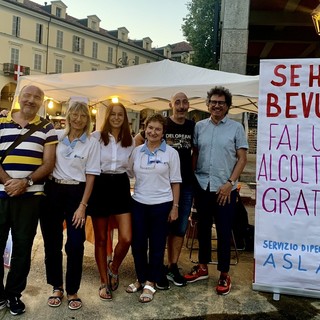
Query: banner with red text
287	215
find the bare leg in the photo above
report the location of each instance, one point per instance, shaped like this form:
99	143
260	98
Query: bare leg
100	226
174	249
124	242
175	244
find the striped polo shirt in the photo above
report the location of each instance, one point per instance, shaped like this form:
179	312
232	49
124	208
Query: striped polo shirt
28	155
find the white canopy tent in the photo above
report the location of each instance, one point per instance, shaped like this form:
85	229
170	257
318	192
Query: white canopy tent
149	85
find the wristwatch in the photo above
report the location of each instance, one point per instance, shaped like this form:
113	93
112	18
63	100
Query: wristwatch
29	181
232	182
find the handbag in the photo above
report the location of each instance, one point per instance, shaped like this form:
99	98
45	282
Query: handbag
23	137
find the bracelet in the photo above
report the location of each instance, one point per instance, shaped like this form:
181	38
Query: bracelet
176	205
84	204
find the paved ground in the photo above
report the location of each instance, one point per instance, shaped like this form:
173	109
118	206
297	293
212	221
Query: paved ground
195	301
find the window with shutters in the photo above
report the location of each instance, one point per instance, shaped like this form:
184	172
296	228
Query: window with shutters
110	54
39	32
14	56
59	39
16	22
95	50
78	45
58	66
58	12
37	62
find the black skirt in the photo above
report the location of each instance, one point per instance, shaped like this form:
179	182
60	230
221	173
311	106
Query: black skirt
110	195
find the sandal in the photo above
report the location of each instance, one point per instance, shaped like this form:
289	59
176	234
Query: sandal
3	304
148	295
108	294
115	277
57	298
74	306
134	287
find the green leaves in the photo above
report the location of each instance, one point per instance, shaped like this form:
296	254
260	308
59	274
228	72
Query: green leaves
198	28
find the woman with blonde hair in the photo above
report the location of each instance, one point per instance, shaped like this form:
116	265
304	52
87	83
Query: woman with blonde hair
68	190
111	196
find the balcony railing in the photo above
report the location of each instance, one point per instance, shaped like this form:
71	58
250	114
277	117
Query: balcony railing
9	69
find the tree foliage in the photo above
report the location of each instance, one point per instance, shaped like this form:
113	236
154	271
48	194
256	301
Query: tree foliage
198	28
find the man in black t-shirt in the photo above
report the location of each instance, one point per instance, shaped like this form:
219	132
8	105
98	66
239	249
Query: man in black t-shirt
179	135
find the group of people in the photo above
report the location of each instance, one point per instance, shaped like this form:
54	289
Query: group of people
174	163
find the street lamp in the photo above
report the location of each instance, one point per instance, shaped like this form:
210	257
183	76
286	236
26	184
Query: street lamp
94	111
315	14
50	104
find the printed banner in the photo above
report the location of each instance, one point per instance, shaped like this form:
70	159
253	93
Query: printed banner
287	216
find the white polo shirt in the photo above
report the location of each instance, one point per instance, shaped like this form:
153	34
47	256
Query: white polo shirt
76	159
154	173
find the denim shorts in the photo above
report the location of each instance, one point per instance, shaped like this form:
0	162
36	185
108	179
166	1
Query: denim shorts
179	227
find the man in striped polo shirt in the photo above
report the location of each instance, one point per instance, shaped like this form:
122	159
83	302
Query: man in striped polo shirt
22	175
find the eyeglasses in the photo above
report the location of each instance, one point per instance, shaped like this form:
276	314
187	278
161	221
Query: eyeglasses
75	116
148	161
219	103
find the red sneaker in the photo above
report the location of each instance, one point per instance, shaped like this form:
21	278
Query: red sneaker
224	285
196	274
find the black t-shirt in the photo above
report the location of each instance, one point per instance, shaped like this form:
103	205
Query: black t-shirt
180	137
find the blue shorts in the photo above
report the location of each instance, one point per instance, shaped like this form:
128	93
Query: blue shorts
179	227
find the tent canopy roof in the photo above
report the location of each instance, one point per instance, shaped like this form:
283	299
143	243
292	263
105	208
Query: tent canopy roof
149	85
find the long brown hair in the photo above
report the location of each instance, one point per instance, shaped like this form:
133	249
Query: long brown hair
124	134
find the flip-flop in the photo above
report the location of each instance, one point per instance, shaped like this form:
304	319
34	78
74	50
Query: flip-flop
115	286
3	304
108	293
147	295
132	288
71	307
57	298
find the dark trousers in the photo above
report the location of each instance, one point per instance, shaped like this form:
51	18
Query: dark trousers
62	202
149	233
209	211
21	214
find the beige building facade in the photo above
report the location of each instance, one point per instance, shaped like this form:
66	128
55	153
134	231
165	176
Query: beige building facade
45	39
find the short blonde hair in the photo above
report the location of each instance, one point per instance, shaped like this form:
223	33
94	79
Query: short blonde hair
79	106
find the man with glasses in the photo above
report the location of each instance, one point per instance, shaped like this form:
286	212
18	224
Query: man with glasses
219	157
